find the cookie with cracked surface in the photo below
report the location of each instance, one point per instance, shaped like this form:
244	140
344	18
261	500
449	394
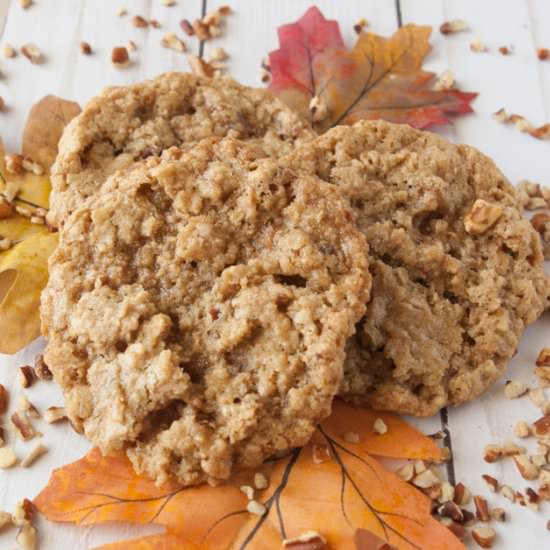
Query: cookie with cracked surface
457	273
127	123
198	307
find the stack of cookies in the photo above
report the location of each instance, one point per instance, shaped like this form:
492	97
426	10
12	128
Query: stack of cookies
222	274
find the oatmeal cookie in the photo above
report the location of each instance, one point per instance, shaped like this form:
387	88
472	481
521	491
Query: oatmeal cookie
128	123
198	308
457	273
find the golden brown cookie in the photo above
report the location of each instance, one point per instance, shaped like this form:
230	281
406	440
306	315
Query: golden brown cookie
457	273
128	123
198	307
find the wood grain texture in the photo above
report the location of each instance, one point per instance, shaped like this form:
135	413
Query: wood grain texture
518	82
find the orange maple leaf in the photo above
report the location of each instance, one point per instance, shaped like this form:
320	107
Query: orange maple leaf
330	486
380	77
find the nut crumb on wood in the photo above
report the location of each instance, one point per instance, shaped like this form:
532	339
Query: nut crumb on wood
22	425
26	376
26	406
8	458
455	25
200	67
119	57
32	53
8	51
139	22
543	53
55	414
27	537
121	11
522	429
514	389
491	482
537	396
34	454
4	397
484	536
478	46
25	3
172	42
42	370
85	48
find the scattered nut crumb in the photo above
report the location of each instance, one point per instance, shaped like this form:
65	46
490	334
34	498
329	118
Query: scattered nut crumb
55	414
218	54
172	42
119	57
168	2
307	540
26	406
514	389
26	376
482	509
34	454
25	3
492	483
8	51
85	48
122	11
522	429
425	480
462	494
131	46
248	491
200	67
255	507
32	166
360	25
32	52
139	22
498	514
187	27
14	165
155	24
27	537
478	46
41	369
484	536
22	426
537	396
543	53
505	50
456	25
406	472
380	427
4	396
8	457
445	81
260	481
5	520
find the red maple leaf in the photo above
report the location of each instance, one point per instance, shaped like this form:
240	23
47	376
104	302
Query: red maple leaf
379	78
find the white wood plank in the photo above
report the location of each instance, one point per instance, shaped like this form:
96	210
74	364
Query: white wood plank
520	83
58	26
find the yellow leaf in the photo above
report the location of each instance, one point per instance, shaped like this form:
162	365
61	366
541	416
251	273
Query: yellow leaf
23	274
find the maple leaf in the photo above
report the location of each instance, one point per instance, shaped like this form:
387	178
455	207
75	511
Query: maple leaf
24	267
380	77
330	486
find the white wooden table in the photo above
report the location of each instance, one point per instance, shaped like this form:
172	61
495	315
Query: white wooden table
518	82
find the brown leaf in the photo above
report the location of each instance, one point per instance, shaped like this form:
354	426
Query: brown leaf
44	127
